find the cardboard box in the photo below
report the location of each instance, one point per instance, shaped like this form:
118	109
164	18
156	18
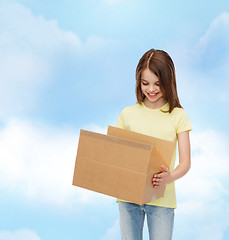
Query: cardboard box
121	164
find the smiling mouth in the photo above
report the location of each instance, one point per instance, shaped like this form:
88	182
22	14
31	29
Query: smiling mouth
153	94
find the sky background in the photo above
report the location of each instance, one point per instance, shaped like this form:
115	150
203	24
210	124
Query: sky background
67	65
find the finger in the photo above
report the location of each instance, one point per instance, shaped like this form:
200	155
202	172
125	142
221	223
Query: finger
154	176
157	185
160	175
165	169
156	180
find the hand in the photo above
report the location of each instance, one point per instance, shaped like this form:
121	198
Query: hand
162	178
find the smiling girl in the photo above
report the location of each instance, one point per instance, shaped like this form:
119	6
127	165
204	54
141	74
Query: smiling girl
158	113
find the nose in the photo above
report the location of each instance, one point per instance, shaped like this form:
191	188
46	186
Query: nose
151	88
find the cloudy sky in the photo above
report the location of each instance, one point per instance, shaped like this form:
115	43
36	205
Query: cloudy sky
67	65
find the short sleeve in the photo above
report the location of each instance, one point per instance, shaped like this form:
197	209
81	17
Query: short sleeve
182	122
120	122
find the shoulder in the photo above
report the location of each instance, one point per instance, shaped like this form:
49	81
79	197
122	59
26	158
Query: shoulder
181	120
178	112
132	109
129	112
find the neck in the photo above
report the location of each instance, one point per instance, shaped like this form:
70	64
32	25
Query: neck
155	105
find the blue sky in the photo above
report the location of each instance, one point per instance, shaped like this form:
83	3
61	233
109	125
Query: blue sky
70	65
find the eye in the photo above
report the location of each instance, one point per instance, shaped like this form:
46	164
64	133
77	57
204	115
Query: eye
157	84
143	82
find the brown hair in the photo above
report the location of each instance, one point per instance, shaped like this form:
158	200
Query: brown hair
160	63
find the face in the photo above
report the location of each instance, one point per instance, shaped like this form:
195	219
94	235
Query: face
150	86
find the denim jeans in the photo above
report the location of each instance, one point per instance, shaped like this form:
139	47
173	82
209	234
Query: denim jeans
159	220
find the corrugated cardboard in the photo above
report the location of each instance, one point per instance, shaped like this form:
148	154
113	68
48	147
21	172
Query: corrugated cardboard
121	164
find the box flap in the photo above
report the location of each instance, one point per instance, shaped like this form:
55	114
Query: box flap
114	151
159	144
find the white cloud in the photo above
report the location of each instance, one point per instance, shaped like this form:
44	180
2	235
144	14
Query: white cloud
202	66
28	46
113	233
213	49
21	78
202	193
33	53
217	28
37	162
27	32
19	235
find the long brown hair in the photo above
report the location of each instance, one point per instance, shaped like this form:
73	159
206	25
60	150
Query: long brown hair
160	63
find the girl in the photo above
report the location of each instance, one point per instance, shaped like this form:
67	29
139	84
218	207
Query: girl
158	113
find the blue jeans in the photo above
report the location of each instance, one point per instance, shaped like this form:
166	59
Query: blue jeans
159	220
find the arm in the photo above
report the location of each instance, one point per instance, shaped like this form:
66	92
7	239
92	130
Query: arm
165	177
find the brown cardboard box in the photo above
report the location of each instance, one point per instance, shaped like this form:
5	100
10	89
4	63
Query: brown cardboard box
121	164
